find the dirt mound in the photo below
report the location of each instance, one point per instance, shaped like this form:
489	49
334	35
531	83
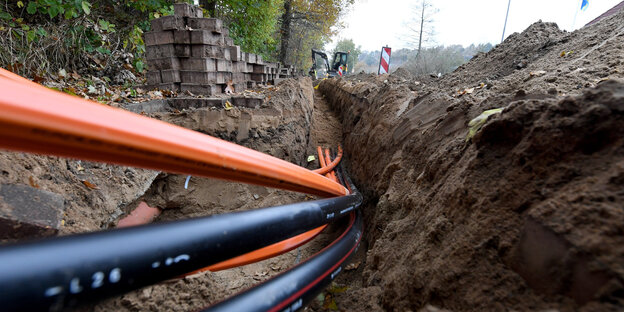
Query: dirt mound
527	214
516	52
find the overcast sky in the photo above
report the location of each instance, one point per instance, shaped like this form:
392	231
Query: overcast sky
374	23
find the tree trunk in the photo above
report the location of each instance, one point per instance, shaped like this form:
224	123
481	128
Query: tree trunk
422	24
210	6
285	31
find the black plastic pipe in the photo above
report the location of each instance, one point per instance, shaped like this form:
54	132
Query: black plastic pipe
293	289
53	274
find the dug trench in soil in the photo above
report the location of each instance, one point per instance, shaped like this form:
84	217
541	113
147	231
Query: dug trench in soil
524	215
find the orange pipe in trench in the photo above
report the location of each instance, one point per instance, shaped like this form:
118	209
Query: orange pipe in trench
322	161
39	120
280	247
264	253
332	165
327	160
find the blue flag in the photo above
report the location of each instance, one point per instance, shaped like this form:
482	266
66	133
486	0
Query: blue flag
584	4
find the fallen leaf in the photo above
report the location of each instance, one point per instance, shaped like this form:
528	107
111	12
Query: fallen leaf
75	75
335	289
32	182
115	98
92	90
228	106
476	123
154	94
330	303
89	184
38	79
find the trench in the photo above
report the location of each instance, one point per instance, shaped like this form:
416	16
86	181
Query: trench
296	140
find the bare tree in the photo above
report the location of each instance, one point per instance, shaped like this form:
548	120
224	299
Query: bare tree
420	27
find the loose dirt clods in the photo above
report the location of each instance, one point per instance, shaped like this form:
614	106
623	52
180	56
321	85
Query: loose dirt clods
525	215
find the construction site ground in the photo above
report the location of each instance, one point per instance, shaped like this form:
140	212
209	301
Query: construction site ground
522	211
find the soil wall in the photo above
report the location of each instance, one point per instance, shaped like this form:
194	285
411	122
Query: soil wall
524	215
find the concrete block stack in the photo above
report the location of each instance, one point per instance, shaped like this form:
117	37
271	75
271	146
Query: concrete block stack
186	52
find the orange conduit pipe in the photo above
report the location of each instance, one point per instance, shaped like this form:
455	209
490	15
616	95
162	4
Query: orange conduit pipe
280	247
277	248
322	161
264	253
283	246
331	165
39	120
327	160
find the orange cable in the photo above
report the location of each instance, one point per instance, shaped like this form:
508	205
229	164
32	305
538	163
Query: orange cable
264	253
322	161
327	160
39	120
331	165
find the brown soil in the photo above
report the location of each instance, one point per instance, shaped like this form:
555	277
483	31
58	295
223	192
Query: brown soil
86	209
528	214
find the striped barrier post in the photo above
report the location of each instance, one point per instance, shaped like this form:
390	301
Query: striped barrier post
384	60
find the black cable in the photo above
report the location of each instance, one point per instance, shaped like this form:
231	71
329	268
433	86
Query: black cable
53	274
294	288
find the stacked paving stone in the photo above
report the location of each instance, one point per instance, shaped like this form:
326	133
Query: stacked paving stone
186	52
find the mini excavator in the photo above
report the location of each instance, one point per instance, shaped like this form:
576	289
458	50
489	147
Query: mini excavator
320	65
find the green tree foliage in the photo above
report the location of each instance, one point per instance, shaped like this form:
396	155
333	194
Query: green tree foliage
347	45
307	24
252	23
48	35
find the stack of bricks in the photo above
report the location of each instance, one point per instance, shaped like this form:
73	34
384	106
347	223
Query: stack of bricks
186	52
